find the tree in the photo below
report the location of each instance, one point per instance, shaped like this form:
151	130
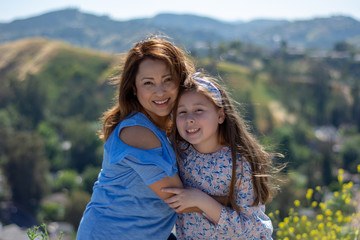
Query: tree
350	153
321	91
26	168
86	147
76	206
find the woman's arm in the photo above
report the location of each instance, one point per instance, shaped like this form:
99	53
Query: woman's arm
148	140
164	183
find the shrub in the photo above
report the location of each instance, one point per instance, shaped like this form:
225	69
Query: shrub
333	218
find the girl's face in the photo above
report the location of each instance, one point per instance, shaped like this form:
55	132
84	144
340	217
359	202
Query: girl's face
198	120
156	89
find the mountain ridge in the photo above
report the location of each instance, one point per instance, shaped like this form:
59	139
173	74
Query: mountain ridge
106	34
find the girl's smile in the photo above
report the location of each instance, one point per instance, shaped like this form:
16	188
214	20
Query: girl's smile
197	121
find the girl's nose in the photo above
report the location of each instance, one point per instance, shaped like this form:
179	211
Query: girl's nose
190	118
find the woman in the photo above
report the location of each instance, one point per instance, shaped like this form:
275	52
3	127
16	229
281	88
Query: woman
127	202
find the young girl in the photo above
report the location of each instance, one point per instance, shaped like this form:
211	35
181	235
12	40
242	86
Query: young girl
218	156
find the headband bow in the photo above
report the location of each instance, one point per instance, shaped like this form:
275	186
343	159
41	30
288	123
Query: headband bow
209	86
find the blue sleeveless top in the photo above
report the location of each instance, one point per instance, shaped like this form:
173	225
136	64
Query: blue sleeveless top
122	205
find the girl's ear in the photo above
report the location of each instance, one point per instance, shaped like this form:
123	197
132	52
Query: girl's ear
221	115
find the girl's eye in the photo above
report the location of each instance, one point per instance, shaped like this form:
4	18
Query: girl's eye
181	113
199	110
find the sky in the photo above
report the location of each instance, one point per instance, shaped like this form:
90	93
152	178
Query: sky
225	10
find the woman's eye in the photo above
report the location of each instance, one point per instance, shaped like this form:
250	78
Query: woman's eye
167	79
147	83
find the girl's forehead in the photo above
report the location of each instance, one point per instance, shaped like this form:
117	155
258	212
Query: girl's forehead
193	97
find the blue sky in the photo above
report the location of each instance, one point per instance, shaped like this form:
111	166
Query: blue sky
226	10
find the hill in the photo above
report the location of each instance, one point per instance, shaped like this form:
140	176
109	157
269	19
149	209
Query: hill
38	74
53	93
103	33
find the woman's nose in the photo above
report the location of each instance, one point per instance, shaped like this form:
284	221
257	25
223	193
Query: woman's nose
159	89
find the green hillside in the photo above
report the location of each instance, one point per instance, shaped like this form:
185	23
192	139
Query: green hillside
52	95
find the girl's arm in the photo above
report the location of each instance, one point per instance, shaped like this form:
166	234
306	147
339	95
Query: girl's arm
251	221
186	198
220	199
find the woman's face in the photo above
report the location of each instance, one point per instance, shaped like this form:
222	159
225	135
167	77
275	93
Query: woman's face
156	89
197	121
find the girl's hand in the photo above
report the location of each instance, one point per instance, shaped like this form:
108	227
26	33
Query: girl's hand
184	198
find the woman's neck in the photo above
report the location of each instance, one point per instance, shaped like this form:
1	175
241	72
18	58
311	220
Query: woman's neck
161	122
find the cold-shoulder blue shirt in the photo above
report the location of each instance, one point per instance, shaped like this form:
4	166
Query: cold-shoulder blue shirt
122	205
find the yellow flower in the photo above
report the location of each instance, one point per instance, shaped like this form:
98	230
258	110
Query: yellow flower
279	233
341	171
282	225
340	178
291	230
336	194
309	193
314	204
318	188
322	206
277	212
321	226
319	217
286	220
303	218
348	185
313	232
358	168
304	235
296	219
297	203
347	201
271	215
328	212
298	236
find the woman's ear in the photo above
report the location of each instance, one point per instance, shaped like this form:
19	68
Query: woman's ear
221	115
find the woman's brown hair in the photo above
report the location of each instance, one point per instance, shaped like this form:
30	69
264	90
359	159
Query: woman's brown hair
126	102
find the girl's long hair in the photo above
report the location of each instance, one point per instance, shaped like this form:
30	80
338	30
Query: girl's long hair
126	102
234	132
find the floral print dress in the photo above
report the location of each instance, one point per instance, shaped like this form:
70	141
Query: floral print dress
211	173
